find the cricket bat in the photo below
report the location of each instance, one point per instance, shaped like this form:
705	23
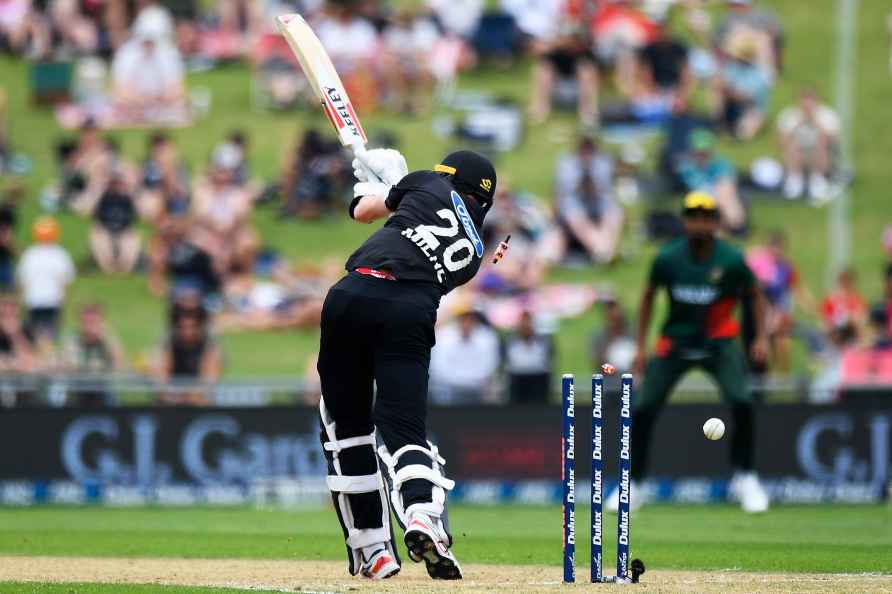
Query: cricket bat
326	83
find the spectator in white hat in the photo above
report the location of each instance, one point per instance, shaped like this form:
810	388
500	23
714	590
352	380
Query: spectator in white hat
147	70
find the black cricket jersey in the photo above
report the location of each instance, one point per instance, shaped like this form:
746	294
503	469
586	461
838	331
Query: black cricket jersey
432	235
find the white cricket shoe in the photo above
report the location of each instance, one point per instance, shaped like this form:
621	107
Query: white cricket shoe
746	488
819	189
636	500
427	541
380	565
794	185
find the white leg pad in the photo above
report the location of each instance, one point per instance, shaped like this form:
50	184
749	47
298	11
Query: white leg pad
342	486
398	476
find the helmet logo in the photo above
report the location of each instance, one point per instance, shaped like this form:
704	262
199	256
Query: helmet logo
486	184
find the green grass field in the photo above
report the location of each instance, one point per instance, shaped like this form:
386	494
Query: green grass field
809	60
705	539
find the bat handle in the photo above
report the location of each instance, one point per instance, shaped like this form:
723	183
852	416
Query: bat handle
360	153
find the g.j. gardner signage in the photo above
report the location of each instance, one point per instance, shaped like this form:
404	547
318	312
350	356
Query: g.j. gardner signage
493	453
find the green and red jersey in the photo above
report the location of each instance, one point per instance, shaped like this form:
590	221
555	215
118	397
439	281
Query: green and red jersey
702	293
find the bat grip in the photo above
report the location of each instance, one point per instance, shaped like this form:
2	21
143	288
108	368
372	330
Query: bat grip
360	153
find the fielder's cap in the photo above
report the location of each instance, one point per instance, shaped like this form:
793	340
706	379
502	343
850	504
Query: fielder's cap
471	172
700	202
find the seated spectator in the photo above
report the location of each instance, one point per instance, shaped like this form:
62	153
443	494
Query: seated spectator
352	44
8	218
77	159
279	77
565	55
86	164
239	139
115	243
16	349
662	71
148	80
782	287
703	170
619	29
317	175
615	343
586	208
409	42
529	361
825	386
190	355
114	239
464	361
808	134
757	26
45	270
73	29
179	259
661	84
235	23
92	350
15	16
740	92
517	213
844	304
677	144
533	239
458	17
165	181
222	206
287	299
537	21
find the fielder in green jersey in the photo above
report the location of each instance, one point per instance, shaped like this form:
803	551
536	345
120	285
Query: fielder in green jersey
704	278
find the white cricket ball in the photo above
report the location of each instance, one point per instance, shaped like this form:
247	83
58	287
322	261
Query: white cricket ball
714	429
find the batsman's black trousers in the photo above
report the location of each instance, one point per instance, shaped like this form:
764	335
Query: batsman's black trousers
378	332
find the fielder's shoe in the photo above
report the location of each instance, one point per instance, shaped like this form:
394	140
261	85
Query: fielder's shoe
428	541
379	565
746	488
636	500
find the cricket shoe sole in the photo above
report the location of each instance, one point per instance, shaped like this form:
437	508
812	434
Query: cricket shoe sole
441	563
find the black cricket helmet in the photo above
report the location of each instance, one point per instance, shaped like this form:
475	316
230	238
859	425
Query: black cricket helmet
471	173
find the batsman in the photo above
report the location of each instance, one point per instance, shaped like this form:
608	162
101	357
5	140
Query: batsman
376	339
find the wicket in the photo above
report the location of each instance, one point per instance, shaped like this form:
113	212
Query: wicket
568	480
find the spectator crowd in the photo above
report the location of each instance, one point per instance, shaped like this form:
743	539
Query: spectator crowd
692	78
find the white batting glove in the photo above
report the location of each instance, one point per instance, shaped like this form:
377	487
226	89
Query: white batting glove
371	189
360	171
388	165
